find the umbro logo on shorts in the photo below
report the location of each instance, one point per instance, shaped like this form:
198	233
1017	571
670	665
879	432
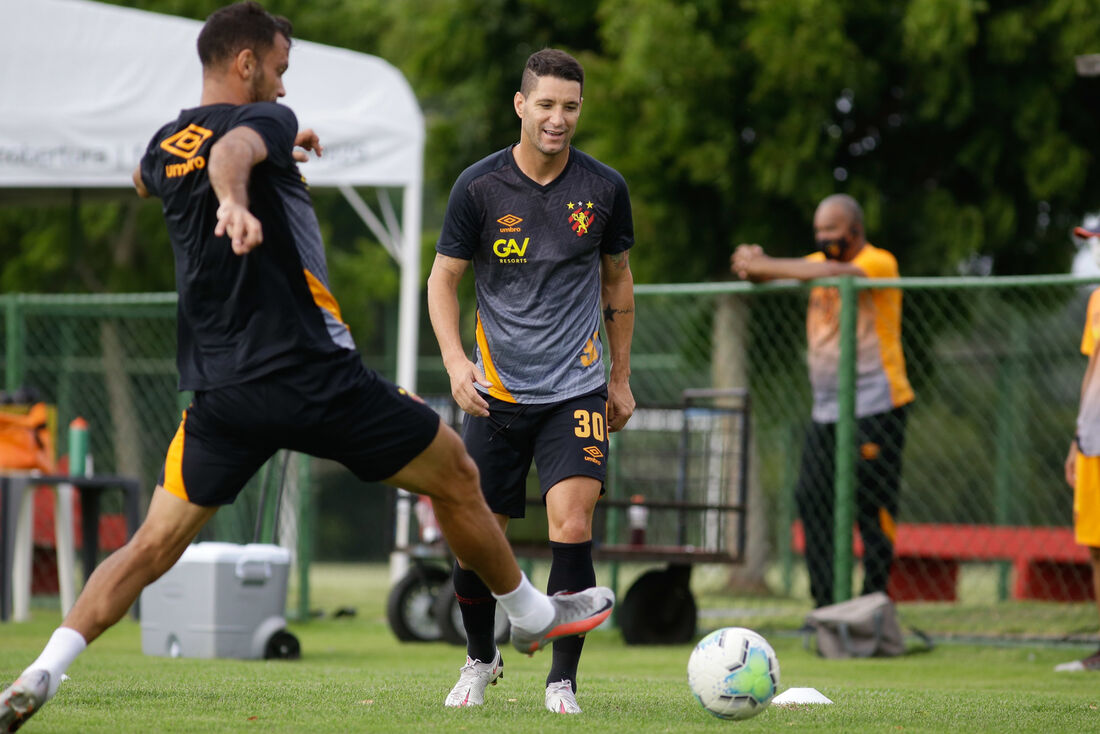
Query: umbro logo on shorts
594	455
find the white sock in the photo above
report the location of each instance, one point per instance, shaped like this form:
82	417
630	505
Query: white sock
64	645
527	607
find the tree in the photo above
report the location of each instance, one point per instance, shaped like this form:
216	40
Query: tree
961	126
963	130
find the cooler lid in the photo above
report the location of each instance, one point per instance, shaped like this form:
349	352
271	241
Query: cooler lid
217	552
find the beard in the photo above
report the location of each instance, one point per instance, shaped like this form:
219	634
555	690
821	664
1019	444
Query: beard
259	90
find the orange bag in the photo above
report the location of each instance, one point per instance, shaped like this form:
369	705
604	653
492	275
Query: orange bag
25	438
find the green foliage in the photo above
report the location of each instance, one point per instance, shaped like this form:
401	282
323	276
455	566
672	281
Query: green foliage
937	35
961	126
731	120
108	246
665	122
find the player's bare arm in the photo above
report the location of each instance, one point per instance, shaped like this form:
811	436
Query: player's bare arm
230	166
1071	458
307	140
750	262
443	311
617	295
139	184
1071	464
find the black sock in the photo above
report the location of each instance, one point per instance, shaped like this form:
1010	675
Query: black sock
570	570
478	608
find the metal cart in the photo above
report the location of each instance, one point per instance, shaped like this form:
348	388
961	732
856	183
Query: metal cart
676	496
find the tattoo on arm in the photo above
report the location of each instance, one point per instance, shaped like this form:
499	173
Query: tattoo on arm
620	260
610	311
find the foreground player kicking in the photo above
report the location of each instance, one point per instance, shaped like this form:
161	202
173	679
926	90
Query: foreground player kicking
271	364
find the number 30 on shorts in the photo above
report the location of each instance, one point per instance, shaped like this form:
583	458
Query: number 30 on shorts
589	423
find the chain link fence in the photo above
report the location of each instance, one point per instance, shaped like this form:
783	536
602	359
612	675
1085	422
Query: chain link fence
984	528
984	521
110	359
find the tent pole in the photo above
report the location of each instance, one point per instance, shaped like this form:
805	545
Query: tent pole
374	224
408	327
76	238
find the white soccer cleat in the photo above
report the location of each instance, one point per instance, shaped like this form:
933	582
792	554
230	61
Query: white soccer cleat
22	698
473	678
1086	665
574	614
560	698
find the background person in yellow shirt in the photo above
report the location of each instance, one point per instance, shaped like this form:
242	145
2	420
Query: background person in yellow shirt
1083	460
882	390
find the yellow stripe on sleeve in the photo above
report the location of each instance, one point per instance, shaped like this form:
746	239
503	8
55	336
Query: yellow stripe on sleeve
323	297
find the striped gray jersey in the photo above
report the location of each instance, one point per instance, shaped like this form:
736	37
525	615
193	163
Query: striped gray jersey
536	257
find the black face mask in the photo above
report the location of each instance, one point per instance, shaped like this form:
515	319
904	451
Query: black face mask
833	249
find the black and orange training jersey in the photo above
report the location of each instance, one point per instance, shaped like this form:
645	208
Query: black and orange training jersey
241	317
536	257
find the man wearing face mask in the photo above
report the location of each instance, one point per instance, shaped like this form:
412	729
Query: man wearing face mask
882	390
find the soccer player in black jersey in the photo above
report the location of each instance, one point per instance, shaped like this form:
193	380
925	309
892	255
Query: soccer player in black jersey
548	230
271	363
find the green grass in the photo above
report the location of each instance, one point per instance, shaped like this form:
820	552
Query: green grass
354	677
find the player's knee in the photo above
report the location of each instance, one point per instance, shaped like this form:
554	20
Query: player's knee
573	529
455	480
464	479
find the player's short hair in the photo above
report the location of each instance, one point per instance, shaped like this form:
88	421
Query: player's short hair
231	29
851	209
550	62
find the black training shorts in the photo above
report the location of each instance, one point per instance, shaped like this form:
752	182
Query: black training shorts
334	409
566	439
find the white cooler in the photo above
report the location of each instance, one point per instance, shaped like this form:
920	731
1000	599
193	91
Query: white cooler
220	600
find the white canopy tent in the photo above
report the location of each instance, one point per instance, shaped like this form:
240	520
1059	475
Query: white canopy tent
84	85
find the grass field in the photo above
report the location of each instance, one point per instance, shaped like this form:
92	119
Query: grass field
354	677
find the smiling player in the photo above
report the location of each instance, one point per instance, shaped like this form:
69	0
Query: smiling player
547	229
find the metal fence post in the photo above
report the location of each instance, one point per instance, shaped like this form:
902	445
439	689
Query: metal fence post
786	505
14	343
613	492
845	442
1010	379
305	533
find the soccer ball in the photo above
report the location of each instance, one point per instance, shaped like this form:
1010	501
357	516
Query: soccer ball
733	673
